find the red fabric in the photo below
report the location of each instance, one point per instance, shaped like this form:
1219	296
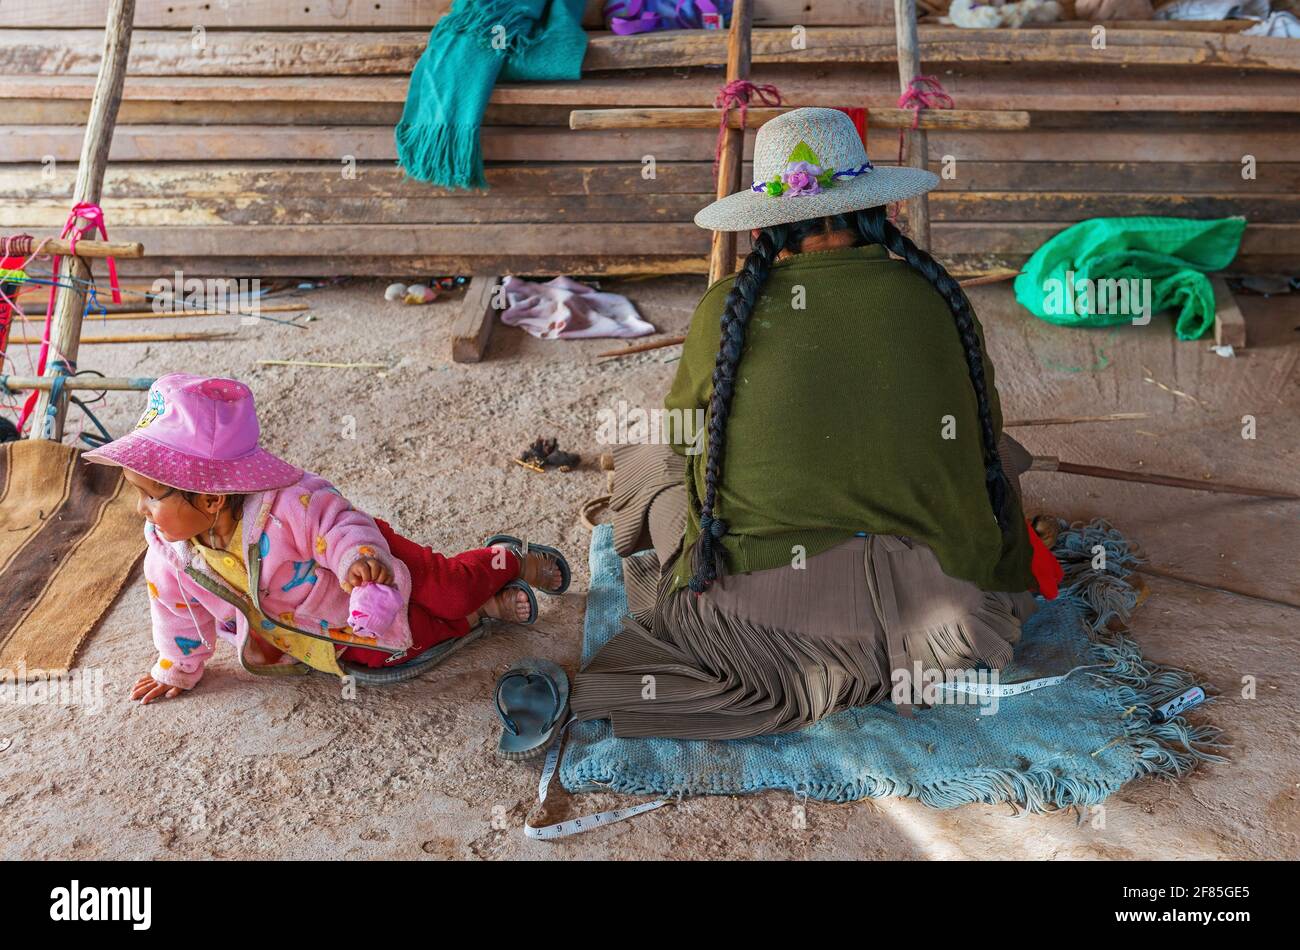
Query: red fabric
859	117
444	591
1047	570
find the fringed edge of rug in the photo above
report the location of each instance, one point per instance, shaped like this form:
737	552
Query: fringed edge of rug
1105	600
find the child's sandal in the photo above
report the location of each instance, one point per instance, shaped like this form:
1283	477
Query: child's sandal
521	550
519	584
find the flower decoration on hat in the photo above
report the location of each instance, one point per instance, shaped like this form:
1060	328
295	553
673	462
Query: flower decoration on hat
804	174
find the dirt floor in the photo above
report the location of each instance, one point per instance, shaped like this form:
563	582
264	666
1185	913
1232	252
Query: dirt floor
247	768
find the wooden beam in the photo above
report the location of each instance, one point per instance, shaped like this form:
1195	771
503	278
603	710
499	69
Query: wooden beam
192	336
993	86
65	327
189	314
270	208
350	18
556	242
722	253
1050	463
31	144
1229	324
473	328
949	44
679	118
93	249
96	383
30	201
244	52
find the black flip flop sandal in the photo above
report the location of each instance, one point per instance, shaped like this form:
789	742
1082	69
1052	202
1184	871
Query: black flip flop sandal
532	698
522	549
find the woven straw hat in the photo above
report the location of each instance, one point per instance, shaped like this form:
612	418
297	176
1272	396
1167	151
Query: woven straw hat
809	163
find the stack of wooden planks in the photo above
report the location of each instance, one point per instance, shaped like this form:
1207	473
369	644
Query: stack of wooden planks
255	136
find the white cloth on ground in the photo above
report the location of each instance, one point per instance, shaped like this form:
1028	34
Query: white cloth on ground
564	309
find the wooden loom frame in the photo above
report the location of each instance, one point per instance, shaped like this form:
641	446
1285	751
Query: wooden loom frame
70	301
722	260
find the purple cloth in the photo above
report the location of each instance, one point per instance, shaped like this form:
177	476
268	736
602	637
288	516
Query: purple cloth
643	16
373	610
563	309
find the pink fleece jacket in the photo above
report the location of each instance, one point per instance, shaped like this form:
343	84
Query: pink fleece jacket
308	537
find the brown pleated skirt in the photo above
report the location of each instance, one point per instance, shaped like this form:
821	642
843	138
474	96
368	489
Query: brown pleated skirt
772	651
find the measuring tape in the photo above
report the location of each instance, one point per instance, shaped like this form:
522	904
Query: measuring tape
1013	689
574	826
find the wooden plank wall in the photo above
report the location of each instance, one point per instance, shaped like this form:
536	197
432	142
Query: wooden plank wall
267	147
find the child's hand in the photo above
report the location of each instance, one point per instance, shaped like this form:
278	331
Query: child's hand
148	689
367	570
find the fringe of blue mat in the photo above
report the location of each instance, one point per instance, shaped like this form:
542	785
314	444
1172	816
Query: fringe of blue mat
1169	749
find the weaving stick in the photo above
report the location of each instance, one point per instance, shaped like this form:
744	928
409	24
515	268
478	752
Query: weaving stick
918	149
722	253
70	303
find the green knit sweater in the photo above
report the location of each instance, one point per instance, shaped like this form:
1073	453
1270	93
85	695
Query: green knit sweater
838	422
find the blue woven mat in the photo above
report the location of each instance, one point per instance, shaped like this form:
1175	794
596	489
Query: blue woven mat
1070	744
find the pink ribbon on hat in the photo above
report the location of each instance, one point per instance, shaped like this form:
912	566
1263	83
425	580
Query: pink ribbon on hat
735	94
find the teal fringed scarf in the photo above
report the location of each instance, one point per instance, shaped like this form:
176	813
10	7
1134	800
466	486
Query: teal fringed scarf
471	47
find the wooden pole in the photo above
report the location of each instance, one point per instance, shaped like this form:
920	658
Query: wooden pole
478	315
722	254
1072	420
88	248
174	314
190	337
1050	463
909	67
1011	120
97	383
65	329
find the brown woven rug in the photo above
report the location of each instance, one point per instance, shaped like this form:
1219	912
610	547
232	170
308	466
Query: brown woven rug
69	539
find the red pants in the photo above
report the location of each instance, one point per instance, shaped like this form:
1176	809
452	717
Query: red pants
444	591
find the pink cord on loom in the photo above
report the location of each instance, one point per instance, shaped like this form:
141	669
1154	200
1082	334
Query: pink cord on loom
93	214
923	92
735	94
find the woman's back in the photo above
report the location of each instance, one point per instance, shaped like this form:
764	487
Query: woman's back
853	411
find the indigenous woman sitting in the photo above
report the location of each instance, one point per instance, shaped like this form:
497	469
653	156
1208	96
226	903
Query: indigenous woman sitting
850	513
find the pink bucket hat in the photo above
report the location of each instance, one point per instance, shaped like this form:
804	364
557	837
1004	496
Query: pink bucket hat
199	434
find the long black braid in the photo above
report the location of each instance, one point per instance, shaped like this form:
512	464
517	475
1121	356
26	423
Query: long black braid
873	227
736	311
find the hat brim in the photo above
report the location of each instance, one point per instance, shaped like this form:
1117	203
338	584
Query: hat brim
259	470
746	210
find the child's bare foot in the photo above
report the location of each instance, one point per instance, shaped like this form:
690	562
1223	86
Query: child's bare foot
541	571
510	605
